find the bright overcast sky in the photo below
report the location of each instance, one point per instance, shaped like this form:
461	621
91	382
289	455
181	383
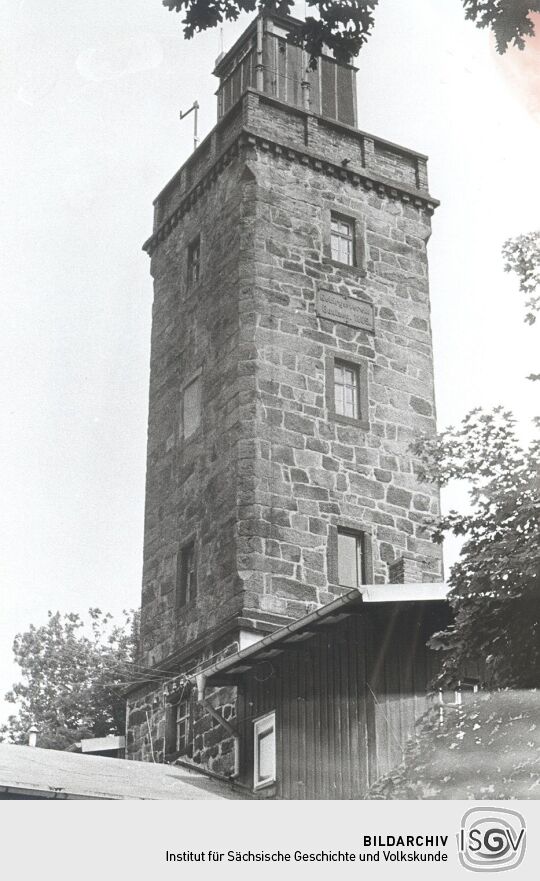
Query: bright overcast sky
90	97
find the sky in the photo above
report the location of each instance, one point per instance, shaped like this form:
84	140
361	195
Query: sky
90	95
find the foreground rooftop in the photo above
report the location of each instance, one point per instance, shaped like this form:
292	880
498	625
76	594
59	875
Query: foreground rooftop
30	772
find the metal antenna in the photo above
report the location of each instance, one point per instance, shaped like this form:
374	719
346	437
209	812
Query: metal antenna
195	108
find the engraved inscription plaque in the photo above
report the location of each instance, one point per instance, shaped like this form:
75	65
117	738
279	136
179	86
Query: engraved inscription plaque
345	310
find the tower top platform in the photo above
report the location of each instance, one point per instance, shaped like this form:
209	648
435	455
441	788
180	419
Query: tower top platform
267	59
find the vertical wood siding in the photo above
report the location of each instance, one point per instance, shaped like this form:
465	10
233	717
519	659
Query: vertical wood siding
345	700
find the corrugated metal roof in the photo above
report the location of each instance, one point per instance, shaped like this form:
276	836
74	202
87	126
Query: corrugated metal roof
46	773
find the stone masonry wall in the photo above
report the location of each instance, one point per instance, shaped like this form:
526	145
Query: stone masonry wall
150	722
151	725
270	474
310	472
191	482
266	443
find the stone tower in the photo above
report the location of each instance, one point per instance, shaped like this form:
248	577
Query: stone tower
291	369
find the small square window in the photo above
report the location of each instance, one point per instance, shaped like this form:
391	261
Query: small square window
191	406
264	754
194	260
186	575
346	389
351	558
342	240
182	722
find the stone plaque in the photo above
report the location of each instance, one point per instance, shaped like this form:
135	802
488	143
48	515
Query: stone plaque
345	310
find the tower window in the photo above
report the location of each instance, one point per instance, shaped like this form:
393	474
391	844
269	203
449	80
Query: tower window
182	725
351	558
186	575
342	240
191	406
194	260
264	750
346	389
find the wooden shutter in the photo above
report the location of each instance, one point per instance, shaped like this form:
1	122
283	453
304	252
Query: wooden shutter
328	88
345	95
294	74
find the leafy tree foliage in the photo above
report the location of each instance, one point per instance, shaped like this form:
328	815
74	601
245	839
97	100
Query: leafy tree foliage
342	25
72	673
495	585
508	19
345	25
522	256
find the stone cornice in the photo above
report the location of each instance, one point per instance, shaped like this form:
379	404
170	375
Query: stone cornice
248	139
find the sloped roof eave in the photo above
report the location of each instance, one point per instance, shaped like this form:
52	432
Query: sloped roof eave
432	592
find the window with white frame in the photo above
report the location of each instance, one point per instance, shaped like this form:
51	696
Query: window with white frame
350	554
264	750
346	389
342	239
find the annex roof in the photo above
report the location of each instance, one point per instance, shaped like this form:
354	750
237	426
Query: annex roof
303	629
32	772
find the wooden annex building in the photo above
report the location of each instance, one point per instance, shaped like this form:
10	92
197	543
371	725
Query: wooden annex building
326	705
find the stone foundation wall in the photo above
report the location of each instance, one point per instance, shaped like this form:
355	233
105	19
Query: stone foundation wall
151	717
210	745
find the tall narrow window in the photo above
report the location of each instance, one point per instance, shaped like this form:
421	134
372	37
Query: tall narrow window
186	575
264	753
342	240
182	725
194	260
191	410
350	558
346	389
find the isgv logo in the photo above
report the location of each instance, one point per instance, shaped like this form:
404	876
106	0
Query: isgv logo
491	839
